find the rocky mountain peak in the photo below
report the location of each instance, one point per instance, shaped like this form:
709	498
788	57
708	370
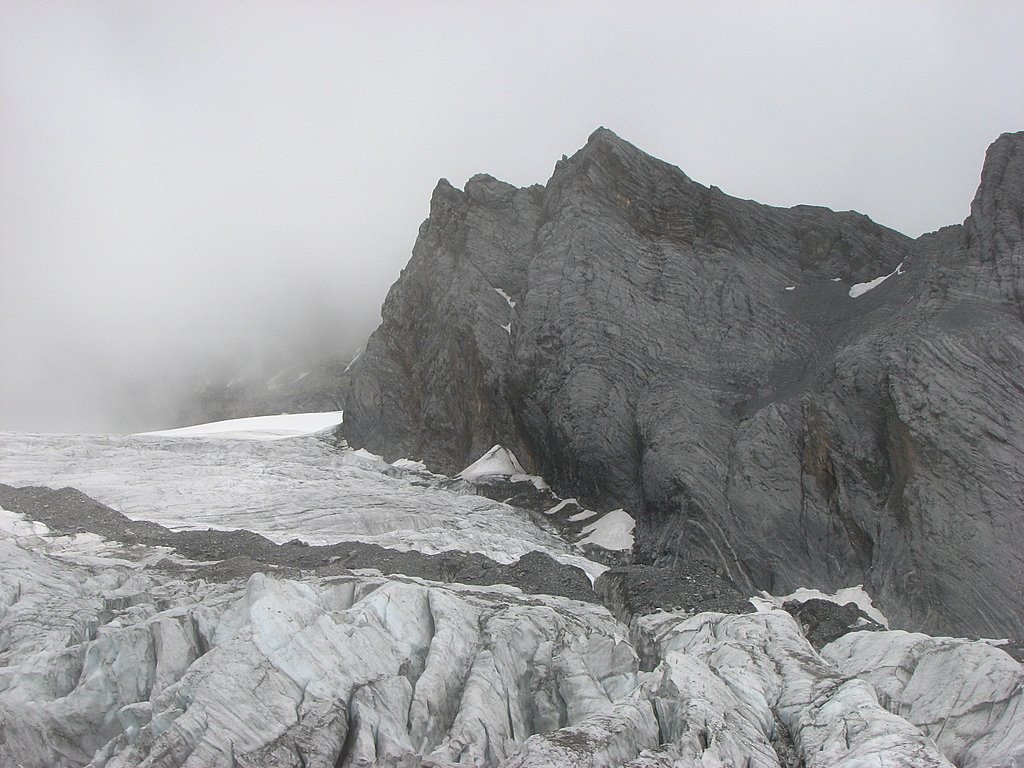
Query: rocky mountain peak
752	398
444	198
784	394
484	188
618	156
996	223
603	142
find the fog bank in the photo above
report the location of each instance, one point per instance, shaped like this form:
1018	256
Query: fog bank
186	185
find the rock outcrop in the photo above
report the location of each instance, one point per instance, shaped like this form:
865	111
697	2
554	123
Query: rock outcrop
739	377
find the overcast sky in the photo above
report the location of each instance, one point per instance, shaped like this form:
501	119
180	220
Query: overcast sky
182	182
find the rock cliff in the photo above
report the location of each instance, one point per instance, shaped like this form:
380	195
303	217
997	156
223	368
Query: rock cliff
795	396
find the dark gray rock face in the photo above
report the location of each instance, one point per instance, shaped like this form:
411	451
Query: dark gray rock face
822	621
637	590
698	359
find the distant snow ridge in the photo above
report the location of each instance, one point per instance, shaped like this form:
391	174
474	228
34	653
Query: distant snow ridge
284	489
259	427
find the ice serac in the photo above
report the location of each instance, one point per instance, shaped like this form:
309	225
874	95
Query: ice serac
691	358
112	665
967	696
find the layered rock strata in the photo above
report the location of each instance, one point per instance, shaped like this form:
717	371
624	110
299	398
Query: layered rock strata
739	377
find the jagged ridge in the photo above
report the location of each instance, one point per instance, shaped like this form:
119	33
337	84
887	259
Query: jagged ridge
642	340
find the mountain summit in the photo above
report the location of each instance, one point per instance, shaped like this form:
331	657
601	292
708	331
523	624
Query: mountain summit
798	397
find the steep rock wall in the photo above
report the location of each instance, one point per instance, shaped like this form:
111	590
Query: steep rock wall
644	341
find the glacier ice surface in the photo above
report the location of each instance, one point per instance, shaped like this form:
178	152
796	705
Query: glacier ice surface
111	658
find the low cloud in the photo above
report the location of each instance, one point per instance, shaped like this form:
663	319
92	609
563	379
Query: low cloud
185	185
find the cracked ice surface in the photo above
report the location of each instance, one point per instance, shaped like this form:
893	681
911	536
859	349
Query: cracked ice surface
769	670
111	662
966	695
114	667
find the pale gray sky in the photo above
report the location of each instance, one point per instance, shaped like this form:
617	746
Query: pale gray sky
181	181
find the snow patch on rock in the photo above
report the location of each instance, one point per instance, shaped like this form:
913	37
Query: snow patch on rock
506	297
855	595
861	288
560	506
500	463
497	462
614	531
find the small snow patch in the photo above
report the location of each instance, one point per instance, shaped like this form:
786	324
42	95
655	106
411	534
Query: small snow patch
365	454
589	567
15	525
586	514
790	287
363	459
995	642
538	482
359	353
861	288
506	297
560	505
507	327
614	531
837	279
497	462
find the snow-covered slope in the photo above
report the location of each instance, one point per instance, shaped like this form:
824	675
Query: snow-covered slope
116	654
259	427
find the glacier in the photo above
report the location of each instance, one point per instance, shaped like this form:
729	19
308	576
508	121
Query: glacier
118	650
